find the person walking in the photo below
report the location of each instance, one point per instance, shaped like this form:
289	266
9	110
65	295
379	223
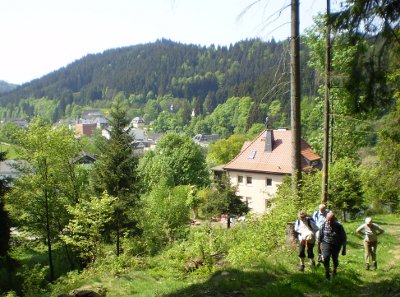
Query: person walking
319	217
332	238
305	228
370	231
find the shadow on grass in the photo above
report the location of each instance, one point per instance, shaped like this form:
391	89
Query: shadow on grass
385	288
279	283
233	282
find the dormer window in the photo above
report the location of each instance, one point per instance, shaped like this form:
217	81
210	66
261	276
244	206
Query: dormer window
252	154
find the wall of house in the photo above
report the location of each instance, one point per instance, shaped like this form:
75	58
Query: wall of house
85	129
253	188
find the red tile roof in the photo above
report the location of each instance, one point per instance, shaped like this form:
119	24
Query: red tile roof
253	157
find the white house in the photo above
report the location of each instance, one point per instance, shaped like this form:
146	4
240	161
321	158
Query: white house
262	165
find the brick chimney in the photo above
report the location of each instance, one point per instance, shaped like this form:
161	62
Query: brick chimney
269	140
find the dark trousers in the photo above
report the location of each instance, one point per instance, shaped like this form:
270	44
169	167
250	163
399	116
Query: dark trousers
303	246
328	251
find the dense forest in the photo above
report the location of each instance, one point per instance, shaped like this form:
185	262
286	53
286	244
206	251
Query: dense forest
148	225
204	76
6	87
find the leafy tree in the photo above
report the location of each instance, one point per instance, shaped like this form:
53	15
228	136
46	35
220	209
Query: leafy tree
255	130
178	159
378	23
231	116
222	200
115	171
37	201
193	201
345	188
165	215
360	17
382	177
84	230
351	124
9	132
151	110
224	150
166	121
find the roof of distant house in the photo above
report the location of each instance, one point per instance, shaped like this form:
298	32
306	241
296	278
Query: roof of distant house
254	157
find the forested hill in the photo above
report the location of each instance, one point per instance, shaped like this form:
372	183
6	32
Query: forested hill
6	87
249	68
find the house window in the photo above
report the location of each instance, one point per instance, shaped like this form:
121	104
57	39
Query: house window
249	180
240	179
268	182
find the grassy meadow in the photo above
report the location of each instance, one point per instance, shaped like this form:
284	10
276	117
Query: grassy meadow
274	275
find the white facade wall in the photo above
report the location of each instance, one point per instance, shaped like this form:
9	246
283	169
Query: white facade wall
254	188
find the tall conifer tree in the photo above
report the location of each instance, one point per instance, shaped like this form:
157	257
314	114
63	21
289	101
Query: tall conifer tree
115	171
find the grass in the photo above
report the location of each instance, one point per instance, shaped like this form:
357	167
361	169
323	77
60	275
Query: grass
278	276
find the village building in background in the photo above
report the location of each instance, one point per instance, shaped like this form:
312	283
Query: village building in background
263	163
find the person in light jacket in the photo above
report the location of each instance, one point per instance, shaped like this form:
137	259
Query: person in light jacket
305	229
370	231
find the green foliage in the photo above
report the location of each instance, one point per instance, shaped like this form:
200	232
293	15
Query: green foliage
231	117
115	172
345	187
85	227
177	159
382	178
255	130
352	114
260	238
11	294
224	150
222	199
33	280
312	121
164	216
9	132
38	197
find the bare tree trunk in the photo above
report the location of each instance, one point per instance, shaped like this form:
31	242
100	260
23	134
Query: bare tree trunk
295	96
325	168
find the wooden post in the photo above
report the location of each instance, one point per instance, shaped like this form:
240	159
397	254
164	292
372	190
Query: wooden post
325	167
295	95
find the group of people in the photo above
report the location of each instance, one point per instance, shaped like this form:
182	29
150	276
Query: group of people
324	229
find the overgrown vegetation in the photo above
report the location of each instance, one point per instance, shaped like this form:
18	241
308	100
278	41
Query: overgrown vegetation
149	226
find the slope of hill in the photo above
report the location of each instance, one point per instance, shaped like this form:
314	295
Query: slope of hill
277	275
247	68
6	87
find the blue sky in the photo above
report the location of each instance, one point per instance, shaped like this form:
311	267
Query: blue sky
40	36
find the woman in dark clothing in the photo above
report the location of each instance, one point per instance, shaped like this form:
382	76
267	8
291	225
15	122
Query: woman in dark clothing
332	238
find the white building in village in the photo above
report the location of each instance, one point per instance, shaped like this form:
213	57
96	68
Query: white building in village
262	164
